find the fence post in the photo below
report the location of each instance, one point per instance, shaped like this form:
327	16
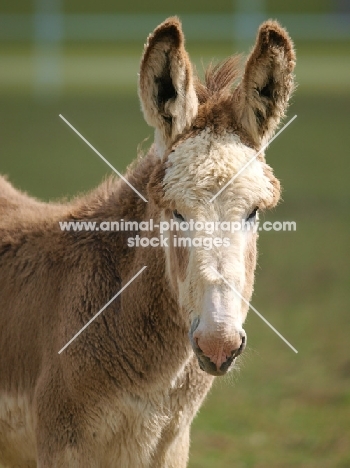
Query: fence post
248	15
48	34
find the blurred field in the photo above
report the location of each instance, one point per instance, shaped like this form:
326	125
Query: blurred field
90	6
281	409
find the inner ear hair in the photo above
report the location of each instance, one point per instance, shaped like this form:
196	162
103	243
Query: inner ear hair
165	88
166	84
162	47
267	83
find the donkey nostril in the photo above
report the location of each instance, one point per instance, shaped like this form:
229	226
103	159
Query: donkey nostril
238	351
197	344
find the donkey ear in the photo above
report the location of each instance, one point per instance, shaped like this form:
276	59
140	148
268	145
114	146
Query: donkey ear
267	83
168	98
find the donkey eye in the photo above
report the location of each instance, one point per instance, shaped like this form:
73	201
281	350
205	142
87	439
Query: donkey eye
178	216
252	215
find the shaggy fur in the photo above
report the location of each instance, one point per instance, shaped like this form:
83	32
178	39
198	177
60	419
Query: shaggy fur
125	392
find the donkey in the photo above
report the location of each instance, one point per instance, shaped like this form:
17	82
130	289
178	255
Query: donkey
125	391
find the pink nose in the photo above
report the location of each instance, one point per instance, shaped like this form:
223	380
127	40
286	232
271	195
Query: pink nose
218	351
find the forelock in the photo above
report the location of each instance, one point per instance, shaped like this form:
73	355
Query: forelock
219	79
201	164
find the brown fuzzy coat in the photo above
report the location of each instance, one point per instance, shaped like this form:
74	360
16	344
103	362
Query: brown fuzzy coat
127	351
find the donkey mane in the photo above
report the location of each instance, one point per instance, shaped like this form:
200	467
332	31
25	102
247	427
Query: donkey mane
218	79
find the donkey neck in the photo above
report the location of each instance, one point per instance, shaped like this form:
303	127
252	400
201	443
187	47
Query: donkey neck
152	316
147	325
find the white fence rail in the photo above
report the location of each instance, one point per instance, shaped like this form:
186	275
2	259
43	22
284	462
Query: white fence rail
198	27
49	28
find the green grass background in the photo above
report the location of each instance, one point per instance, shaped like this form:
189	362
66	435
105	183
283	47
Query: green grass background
280	409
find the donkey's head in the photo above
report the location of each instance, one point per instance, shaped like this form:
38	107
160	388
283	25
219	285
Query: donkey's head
205	133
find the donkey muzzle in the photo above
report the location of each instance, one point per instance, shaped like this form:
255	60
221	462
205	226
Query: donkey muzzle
214	355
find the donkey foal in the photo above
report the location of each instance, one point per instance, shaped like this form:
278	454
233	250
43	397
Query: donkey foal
124	393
